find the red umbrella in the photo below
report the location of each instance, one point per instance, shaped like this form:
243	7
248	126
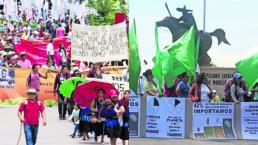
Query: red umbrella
85	93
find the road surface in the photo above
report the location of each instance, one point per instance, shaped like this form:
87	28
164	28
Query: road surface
57	133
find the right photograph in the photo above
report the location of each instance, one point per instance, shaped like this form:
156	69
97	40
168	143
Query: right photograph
193	72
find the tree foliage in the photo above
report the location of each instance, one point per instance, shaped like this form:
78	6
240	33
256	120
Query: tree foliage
106	10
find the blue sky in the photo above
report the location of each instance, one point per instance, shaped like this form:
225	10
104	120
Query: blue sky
239	19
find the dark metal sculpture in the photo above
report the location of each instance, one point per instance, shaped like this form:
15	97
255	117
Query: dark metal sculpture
178	26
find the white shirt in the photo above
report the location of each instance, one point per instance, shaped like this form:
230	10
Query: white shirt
50	49
75	116
204	93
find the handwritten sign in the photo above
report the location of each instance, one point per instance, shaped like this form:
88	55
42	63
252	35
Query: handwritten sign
99	43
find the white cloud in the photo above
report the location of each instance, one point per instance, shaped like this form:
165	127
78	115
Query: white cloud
221	59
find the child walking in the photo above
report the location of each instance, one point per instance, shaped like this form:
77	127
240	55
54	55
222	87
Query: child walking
75	119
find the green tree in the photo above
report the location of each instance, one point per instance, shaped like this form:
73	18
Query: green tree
105	11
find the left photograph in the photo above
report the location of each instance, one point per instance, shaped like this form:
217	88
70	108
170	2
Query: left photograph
64	72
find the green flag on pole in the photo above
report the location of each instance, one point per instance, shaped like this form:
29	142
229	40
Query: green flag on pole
157	69
248	68
134	59
185	52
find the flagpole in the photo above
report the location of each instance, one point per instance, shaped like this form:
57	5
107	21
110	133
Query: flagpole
204	14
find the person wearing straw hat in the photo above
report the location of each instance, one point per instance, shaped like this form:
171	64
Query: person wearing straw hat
23	62
28	113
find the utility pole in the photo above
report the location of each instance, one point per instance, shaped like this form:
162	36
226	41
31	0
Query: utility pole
204	14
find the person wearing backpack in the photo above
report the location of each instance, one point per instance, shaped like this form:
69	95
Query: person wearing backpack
33	79
29	113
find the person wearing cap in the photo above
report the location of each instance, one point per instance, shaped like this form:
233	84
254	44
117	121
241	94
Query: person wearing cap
111	114
238	90
23	62
28	113
214	97
227	89
96	106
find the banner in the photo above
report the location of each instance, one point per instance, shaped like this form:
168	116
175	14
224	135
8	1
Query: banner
99	43
15	84
119	85
249	120
165	117
37	50
7	78
134	117
213	121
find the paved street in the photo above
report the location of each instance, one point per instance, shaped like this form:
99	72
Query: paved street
55	133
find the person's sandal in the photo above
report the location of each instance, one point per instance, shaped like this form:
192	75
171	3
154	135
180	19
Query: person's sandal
96	139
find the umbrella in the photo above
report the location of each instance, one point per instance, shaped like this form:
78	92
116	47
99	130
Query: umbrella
84	94
69	85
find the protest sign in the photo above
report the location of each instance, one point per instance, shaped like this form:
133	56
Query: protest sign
99	43
213	121
165	117
249	120
134	117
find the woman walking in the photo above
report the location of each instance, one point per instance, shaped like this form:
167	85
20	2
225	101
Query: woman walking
124	111
96	106
111	114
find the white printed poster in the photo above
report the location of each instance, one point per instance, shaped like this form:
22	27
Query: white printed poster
7	78
134	117
165	117
249	120
213	121
99	43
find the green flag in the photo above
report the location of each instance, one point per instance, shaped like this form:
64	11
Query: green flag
134	59
248	68
184	51
157	69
